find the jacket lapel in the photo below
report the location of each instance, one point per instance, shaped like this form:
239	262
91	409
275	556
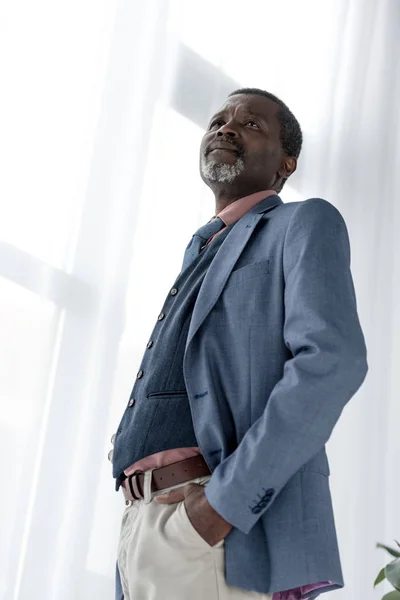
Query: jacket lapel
224	261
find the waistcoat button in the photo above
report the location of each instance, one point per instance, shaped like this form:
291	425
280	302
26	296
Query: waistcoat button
110	455
149	345
161	316
173	291
131	402
113	438
139	375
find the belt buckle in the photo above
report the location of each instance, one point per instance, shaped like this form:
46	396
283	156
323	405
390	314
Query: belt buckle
133	485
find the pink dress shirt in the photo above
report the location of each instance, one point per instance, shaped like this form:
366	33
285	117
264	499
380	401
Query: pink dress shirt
230	214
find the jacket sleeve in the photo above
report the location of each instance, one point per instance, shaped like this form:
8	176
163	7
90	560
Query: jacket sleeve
328	365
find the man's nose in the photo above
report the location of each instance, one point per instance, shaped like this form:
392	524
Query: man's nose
227	129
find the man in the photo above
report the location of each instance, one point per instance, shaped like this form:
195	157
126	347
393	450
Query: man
221	450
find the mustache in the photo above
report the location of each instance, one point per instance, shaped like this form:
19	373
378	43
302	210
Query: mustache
235	145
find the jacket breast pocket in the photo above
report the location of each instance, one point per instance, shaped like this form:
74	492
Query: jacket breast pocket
253	270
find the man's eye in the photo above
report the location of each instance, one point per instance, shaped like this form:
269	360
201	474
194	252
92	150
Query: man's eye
217	122
252	123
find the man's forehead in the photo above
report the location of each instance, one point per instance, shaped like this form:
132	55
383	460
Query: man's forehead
251	102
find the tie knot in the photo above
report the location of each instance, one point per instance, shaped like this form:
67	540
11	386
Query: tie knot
210	228
200	238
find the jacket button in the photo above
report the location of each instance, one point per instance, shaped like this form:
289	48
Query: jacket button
173	292
150	343
139	375
161	316
131	402
110	455
256	509
113	439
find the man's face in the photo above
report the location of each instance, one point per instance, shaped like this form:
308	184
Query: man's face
242	144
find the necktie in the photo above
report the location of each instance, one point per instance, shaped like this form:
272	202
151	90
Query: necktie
199	239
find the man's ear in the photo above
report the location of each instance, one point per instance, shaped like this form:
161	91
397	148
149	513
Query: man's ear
288	166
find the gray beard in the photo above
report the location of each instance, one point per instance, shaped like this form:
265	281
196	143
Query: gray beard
221	172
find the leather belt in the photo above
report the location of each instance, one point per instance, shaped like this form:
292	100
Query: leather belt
165	477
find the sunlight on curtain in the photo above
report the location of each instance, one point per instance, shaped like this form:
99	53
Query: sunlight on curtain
52	58
103	107
27	325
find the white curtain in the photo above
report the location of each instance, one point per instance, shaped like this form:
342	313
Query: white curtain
102	107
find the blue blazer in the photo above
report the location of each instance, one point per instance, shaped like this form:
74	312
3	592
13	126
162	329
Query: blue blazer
274	352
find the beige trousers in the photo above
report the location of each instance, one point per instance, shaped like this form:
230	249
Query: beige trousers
162	557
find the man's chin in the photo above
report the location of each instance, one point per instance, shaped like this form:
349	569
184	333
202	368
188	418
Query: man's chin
221	171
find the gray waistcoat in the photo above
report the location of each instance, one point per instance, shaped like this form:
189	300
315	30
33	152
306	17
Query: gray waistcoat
158	414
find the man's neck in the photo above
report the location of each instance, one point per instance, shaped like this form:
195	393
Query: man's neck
225	196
